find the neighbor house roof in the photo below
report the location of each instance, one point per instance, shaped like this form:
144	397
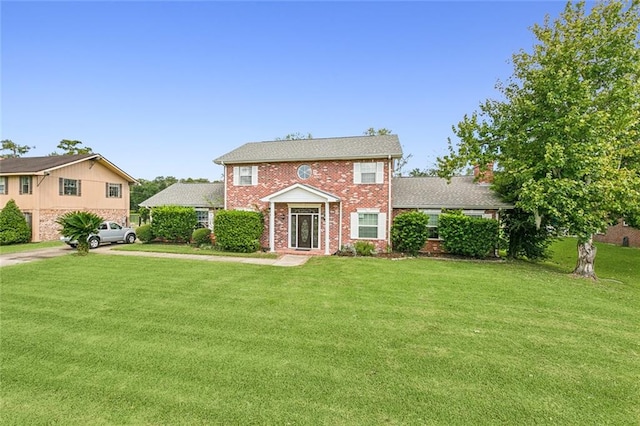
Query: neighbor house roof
189	194
355	147
434	192
43	165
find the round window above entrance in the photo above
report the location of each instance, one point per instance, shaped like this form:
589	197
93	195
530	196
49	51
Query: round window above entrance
304	172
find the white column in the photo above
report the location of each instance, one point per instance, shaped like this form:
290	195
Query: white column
272	223
326	227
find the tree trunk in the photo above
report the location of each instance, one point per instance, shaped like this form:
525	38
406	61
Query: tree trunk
586	259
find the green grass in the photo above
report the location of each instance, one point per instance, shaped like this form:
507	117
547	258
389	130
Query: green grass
187	249
125	340
17	248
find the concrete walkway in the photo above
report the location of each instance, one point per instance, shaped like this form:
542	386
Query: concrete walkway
9	259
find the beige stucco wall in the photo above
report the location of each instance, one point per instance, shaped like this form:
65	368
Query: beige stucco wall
46	204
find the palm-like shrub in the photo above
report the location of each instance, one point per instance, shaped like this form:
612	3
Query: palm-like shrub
78	226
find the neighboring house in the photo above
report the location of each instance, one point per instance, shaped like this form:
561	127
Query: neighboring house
206	198
44	188
620	234
321	194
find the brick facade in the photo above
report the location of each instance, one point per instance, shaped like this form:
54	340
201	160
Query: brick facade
333	177
617	234
48	229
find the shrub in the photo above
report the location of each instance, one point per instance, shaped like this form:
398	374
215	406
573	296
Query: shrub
364	248
409	232
145	233
173	223
239	231
13	226
468	236
201	237
78	226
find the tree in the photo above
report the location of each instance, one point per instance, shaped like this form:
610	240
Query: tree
14	149
566	134
13	226
78	226
295	136
380	132
383	131
71	147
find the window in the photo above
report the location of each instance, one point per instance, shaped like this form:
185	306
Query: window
368	224
3	185
432	225
69	187
304	172
202	216
28	216
114	190
245	175
25	184
368	172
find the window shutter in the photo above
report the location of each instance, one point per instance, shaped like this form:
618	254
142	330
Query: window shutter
60	186
254	175
357	175
20	185
236	176
354	226
79	187
382	225
106	189
380	172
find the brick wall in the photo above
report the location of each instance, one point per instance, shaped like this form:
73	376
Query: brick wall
334	177
47	228
616	234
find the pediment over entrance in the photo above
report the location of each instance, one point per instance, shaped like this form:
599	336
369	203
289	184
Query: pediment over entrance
299	193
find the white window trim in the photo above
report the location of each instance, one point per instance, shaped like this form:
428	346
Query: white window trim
357	173
236	176
355	224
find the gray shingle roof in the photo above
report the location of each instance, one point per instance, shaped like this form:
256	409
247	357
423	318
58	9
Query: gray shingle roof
355	147
39	164
189	195
436	193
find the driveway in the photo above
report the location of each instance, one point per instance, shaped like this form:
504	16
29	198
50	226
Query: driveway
30	256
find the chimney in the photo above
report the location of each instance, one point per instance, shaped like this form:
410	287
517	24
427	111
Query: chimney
486	176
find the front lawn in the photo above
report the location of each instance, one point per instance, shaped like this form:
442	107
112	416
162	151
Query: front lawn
112	340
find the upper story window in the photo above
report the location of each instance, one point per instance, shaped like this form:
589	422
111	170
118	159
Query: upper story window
26	184
114	190
368	172
245	175
3	185
304	171
69	187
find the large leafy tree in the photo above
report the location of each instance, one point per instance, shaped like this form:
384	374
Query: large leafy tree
566	133
72	147
12	149
78	226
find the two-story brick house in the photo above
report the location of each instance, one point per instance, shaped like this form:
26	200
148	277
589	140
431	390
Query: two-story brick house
46	187
321	194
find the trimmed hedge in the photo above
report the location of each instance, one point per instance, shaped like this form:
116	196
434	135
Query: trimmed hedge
13	226
468	236
173	223
239	231
409	232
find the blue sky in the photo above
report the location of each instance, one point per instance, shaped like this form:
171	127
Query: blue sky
163	88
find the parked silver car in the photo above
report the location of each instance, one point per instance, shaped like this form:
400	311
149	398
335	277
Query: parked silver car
108	232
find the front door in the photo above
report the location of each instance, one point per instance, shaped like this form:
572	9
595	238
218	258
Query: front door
304	231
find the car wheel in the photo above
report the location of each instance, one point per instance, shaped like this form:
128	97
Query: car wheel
130	239
94	242
73	245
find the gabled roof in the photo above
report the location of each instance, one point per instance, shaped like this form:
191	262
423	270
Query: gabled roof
301	193
355	147
43	165
433	192
189	194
